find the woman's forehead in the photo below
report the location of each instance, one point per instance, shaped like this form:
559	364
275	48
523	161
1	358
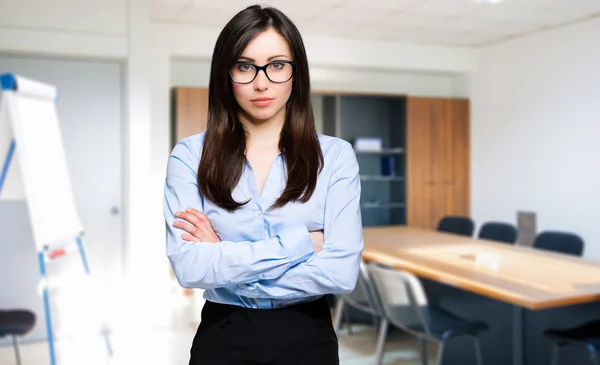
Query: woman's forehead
265	46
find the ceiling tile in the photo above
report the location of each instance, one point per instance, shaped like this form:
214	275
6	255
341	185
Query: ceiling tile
176	3
443	7
511	28
462	24
328	2
331	28
383	4
381	32
307	9
452	22
206	16
499	11
552	16
224	4
407	19
355	14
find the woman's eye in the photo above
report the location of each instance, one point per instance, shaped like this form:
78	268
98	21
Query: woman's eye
244	67
277	65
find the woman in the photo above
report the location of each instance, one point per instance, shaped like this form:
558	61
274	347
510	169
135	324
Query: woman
262	212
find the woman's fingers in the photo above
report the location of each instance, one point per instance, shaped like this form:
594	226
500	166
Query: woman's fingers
189	238
197	225
189	228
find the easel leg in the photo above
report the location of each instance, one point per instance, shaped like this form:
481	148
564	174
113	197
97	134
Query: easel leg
49	332
6	164
86	267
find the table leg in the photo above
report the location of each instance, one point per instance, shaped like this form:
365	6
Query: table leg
518	336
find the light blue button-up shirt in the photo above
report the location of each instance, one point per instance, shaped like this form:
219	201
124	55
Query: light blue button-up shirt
266	258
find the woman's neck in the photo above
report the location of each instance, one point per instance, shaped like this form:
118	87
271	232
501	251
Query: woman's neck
263	134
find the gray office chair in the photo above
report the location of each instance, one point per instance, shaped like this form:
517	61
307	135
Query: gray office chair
405	305
364	299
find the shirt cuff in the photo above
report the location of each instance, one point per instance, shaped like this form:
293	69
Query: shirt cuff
295	239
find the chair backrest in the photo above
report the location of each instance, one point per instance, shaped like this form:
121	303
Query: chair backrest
498	231
563	242
402	298
457	225
363	297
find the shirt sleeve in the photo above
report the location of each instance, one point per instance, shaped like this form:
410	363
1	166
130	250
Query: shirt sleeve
335	269
208	265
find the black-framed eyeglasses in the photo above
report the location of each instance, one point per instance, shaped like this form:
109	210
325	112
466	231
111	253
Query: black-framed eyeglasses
276	71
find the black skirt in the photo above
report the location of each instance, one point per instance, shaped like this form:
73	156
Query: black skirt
300	334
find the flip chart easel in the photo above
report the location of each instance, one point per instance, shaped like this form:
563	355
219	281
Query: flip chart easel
34	168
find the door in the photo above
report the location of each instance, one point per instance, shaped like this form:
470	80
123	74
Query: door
90	115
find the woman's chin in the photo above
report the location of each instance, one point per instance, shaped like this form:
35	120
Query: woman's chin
262	115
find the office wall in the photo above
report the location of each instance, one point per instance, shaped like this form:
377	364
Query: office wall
535	131
66	27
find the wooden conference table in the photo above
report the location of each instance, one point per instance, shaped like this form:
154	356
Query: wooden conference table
522	276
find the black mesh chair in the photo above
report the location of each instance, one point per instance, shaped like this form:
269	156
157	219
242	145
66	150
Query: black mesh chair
498	231
457	225
16	323
562	242
586	336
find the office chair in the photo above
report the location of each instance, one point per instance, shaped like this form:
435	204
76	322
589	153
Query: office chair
16	323
457	225
498	231
586	336
562	242
405	305
364	299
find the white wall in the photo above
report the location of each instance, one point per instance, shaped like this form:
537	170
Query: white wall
536	129
65	27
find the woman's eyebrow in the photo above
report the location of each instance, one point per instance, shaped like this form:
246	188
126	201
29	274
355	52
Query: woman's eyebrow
268	60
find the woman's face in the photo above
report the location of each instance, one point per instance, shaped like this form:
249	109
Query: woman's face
263	99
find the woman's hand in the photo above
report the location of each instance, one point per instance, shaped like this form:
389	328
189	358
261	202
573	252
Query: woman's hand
196	225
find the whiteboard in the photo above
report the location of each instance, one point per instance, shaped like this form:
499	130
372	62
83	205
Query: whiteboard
38	171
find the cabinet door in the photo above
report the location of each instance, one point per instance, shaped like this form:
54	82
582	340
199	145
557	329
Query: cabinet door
437	159
456	157
420	162
189	112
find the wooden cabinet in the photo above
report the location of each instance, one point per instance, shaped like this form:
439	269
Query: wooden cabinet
437	159
189	112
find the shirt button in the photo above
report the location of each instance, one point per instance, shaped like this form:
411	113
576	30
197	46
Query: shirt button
261	276
258	213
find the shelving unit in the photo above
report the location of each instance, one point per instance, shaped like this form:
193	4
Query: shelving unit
353	116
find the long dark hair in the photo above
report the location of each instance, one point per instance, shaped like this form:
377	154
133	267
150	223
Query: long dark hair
223	156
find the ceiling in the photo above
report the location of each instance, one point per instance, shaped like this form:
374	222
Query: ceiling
443	22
